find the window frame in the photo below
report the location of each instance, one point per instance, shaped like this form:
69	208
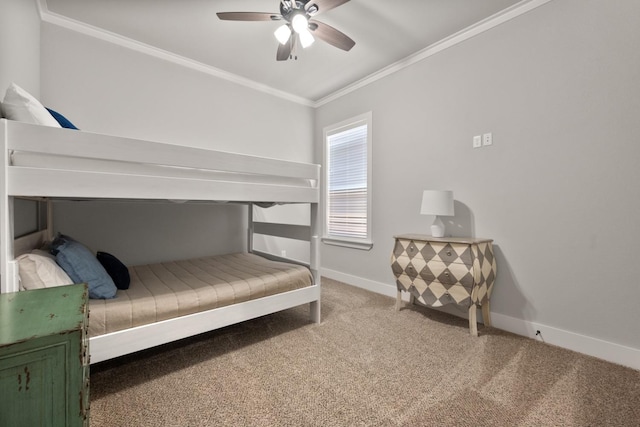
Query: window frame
365	243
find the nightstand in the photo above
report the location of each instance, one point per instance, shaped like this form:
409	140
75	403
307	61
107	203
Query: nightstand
445	270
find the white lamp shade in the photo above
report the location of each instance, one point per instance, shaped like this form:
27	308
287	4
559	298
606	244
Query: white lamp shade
282	34
299	23
306	39
437	202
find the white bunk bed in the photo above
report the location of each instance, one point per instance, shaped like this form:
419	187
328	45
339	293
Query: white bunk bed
48	163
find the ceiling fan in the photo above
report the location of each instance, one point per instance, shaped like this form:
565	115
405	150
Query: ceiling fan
299	25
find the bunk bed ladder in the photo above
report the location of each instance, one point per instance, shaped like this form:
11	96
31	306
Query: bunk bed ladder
306	233
8	267
9	246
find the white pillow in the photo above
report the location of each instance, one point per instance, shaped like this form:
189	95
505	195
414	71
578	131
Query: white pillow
44	253
39	271
19	105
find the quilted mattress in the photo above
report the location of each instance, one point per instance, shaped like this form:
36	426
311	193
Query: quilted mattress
172	289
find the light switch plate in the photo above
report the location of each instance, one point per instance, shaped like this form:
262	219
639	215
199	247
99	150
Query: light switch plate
477	141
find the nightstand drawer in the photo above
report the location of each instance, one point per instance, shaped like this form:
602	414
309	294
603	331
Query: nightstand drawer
436	294
437	251
448	253
455	294
433	271
448	274
410	266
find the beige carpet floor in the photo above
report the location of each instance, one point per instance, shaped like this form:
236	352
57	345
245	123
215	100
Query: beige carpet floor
365	365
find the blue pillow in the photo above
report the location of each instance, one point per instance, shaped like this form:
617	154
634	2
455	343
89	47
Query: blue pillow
62	120
116	269
83	267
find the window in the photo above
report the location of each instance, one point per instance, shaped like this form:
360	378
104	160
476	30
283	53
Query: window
347	203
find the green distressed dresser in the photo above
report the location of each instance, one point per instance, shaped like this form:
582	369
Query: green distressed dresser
44	357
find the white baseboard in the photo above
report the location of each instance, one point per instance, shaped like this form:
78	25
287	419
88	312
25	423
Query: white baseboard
611	352
359	282
584	344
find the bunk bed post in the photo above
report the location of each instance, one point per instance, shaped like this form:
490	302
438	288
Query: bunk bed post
314	260
49	220
250	229
8	267
3	209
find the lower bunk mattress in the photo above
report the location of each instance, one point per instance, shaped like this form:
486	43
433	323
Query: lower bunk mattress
172	289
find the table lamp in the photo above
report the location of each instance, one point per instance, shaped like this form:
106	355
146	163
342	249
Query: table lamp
438	203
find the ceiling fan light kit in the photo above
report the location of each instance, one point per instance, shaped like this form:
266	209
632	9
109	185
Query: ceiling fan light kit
306	39
300	27
283	33
299	23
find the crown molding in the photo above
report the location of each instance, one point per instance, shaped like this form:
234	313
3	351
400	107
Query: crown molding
493	21
465	34
99	33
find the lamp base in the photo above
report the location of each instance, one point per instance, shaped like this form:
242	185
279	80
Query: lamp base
437	228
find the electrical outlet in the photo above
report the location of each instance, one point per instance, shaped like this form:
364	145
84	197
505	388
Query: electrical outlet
487	139
477	141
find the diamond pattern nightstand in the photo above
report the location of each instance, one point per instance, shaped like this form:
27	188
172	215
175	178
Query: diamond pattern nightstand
446	270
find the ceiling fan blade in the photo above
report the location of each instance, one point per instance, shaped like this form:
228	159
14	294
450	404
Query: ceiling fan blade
330	35
324	5
284	50
248	16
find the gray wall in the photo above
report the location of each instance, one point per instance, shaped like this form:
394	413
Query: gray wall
558	191
20	63
19	45
106	88
139	233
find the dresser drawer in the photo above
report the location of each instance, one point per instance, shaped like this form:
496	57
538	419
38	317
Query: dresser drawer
451	274
455	294
448	253
436	294
406	248
433	271
405	265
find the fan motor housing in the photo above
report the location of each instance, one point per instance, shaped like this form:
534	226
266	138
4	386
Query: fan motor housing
288	12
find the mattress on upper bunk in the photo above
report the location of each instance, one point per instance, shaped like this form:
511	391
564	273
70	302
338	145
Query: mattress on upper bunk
172	289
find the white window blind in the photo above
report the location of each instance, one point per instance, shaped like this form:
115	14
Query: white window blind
347	192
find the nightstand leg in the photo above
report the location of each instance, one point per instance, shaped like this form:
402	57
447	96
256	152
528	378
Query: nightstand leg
398	300
486	314
473	326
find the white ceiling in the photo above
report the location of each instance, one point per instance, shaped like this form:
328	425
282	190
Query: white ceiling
385	32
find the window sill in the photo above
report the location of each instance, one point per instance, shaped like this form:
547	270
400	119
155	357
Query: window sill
354	244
